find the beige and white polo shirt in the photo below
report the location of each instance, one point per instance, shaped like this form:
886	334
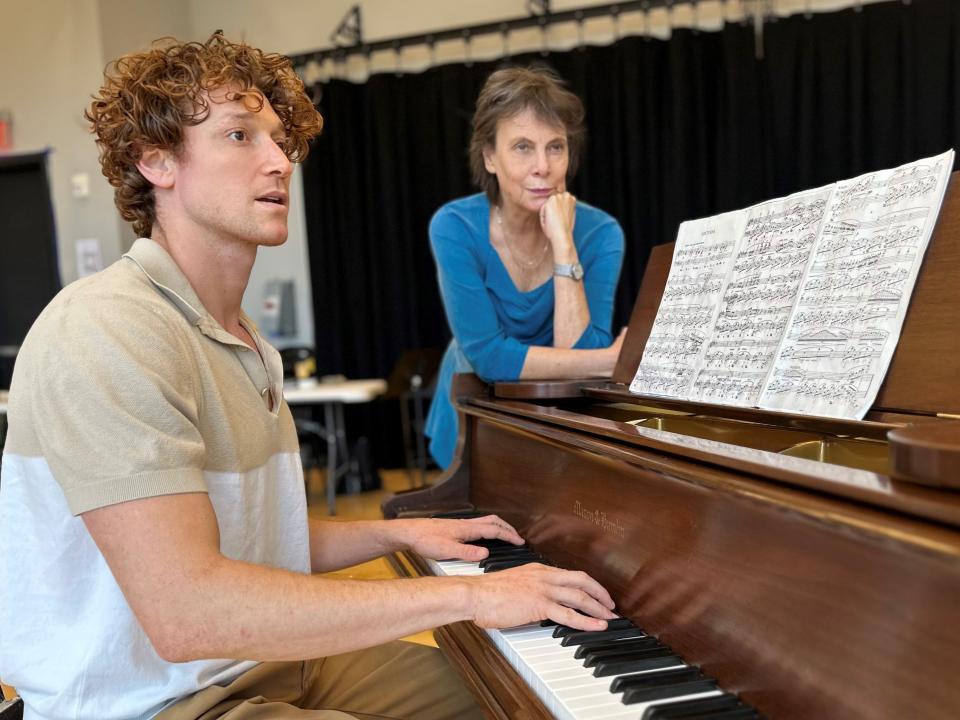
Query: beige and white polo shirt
126	388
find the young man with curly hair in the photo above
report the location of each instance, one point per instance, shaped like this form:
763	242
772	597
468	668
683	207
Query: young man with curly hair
157	552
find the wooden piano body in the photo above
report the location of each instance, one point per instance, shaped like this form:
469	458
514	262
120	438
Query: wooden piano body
774	550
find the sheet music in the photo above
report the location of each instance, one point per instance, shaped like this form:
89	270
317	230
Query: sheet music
851	307
796	303
702	259
774	251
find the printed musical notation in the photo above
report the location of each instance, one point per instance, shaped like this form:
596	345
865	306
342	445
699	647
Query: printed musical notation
854	298
762	285
688	308
797	303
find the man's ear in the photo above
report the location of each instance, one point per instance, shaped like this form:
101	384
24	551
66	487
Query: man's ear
157	166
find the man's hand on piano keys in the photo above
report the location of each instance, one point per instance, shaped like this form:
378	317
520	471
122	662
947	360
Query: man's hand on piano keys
446	539
535	592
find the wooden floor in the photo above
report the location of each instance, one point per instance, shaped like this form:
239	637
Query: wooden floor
363	506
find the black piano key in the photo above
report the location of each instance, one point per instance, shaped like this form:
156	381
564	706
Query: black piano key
493	546
630	666
744	712
493	543
551	623
579	638
686	708
502	565
610	656
498	565
521	553
640	694
615	624
617	645
654	679
510	550
526	556
459	514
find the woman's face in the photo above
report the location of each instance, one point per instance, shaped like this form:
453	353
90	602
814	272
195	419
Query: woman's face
530	161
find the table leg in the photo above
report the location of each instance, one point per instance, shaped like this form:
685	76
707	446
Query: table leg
407	439
331	431
352	478
421	443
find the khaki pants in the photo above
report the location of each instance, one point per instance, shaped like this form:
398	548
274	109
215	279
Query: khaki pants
399	680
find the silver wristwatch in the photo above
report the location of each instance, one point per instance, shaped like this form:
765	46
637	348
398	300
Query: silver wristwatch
574	271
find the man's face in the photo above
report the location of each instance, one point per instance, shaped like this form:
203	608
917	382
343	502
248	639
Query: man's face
232	176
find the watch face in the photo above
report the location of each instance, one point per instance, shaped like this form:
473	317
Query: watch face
574	271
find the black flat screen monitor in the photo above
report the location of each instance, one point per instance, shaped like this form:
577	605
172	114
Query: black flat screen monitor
29	268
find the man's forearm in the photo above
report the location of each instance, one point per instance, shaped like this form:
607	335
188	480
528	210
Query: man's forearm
239	610
335	545
193	602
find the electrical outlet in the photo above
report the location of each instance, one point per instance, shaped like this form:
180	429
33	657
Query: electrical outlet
81	185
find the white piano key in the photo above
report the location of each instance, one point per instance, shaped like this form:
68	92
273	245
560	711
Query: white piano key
567	689
548	650
528	632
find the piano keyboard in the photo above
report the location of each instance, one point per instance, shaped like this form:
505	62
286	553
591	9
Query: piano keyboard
619	673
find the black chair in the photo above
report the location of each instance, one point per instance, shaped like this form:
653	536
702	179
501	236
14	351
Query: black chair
412	383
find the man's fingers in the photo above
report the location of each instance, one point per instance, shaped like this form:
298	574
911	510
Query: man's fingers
571	618
572	588
472	552
534	592
454	550
585	583
579	600
492	527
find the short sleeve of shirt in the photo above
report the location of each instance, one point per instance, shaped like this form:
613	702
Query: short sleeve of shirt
113	403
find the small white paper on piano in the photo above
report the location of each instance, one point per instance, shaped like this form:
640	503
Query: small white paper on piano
795	304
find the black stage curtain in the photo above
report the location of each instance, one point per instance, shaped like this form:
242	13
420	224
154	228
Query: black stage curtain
677	129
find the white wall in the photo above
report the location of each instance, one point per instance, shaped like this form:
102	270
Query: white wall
52	56
290	261
50	63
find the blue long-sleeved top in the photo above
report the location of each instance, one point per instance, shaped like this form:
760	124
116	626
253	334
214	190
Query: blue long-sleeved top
493	322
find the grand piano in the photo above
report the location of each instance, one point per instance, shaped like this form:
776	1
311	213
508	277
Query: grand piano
810	566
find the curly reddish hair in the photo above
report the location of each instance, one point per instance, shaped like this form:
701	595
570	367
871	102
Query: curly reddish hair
147	98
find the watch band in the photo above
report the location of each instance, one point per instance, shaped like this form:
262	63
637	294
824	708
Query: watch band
574	271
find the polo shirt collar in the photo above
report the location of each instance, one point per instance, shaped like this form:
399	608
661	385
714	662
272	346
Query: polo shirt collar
160	269
169	279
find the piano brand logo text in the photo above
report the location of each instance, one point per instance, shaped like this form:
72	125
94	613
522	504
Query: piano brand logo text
600	519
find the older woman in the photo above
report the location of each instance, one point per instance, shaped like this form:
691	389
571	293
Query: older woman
527	273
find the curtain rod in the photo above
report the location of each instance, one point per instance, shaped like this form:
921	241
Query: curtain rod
503	27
